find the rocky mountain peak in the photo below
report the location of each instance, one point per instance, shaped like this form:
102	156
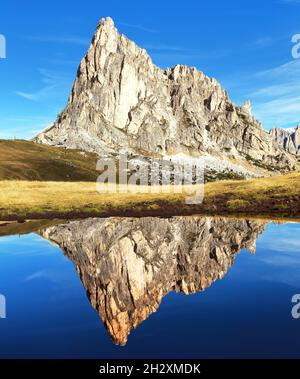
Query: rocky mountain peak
107	22
288	139
122	102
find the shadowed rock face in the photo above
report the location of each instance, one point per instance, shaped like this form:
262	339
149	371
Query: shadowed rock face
128	265
121	101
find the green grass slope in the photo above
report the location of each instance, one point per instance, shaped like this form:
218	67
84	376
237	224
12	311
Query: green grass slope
26	160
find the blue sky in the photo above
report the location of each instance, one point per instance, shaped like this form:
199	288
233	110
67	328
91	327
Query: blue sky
244	45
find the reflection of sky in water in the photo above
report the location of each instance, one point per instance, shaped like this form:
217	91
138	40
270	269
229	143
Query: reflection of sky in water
246	314
281	255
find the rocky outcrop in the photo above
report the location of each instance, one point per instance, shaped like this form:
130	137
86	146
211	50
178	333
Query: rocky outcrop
288	139
121	101
128	265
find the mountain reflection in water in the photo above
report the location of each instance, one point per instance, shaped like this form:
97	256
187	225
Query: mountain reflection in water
127	265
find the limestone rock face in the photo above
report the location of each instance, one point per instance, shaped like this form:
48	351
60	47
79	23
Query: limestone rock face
127	265
288	139
121	101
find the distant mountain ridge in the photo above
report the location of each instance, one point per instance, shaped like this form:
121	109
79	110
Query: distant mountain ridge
288	139
122	102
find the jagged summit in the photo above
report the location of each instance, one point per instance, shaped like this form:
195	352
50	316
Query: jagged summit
107	20
121	101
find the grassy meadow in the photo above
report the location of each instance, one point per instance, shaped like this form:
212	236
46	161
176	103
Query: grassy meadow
277	196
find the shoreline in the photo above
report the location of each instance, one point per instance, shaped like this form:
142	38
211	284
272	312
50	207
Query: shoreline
15	227
161	213
273	197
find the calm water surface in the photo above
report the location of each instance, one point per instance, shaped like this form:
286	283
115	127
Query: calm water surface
151	288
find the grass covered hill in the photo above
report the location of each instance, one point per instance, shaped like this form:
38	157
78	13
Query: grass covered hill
26	160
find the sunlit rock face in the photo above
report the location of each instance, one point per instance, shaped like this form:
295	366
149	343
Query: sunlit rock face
127	265
288	139
121	101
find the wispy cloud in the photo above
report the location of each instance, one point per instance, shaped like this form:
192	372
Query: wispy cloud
280	112
277	90
51	95
262	42
74	40
287	70
43	274
275	94
52	80
139	27
38	95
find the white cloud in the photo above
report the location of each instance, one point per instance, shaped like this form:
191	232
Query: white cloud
284	71
54	82
43	274
139	27
275	94
38	95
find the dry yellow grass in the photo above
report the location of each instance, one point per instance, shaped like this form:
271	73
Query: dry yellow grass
22	197
25	198
282	184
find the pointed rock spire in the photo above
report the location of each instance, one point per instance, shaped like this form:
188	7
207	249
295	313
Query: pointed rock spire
121	101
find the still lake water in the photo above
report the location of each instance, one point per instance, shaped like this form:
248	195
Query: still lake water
162	288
